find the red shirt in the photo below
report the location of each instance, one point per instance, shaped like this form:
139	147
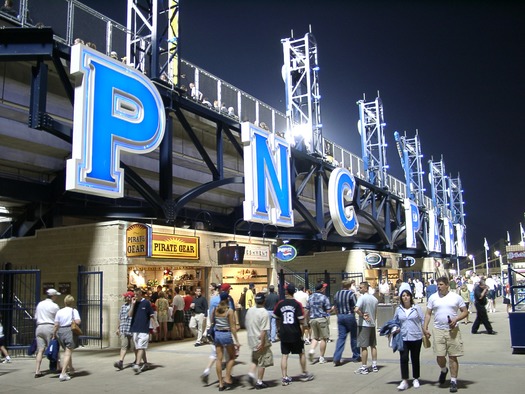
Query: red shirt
188	299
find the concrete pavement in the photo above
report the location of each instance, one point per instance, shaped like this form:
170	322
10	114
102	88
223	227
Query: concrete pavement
487	367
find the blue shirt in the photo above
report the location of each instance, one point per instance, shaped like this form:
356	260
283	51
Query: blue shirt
411	321
318	305
141	316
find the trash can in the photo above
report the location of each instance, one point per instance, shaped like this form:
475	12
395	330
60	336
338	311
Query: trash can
385	312
517	331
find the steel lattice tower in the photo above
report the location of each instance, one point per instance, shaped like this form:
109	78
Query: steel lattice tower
371	125
303	100
438	183
152	39
456	200
410	154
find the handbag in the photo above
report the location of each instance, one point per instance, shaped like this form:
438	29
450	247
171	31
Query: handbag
426	342
74	326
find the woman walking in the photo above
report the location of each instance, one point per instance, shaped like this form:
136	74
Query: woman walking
63	333
465	294
162	305
225	338
411	319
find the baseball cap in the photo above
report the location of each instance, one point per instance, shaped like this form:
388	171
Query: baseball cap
260	297
128	294
290	288
52	292
224	296
271	287
225	287
320	286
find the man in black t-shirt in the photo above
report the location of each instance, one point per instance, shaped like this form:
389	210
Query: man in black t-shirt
290	316
480	302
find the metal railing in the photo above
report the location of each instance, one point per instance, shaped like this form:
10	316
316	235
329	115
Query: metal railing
70	19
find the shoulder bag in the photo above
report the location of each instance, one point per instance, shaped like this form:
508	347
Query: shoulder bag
74	326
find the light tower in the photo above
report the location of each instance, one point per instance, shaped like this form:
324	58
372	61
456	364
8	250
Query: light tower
303	100
410	154
458	214
152	39
438	187
371	124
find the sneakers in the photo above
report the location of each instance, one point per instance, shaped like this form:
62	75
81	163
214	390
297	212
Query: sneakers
322	360
259	386
7	360
197	344
416	384
286	381
119	365
144	367
250	380
136	368
64	377
204	378
374	368
311	356
306	377
403	386
453	387
442	377
362	371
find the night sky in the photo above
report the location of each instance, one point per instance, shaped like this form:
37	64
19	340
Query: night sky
454	70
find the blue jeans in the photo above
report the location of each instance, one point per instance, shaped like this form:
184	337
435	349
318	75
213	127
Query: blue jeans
272	334
346	324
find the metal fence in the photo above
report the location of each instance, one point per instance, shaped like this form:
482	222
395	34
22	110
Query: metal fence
89	303
19	295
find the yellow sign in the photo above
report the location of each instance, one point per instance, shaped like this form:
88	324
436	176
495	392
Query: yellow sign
137	240
169	246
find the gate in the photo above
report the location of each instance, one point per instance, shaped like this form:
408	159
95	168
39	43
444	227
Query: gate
89	302
19	295
310	280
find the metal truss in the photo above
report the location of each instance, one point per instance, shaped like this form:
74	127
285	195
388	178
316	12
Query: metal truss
410	154
303	99
371	124
153	37
438	187
456	200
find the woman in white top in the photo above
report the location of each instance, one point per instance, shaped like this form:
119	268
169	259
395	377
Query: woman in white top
62	332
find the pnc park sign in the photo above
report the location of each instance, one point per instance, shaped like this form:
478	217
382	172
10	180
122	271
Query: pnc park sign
117	108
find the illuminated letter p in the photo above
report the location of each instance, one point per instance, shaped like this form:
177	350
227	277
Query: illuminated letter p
116	108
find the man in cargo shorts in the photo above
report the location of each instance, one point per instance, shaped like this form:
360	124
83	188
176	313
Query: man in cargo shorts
448	308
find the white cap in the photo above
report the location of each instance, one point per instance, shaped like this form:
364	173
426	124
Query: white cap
52	292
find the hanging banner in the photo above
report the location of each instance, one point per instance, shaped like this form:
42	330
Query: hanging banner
138	240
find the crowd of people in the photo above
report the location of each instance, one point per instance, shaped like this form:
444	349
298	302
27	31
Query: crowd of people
299	321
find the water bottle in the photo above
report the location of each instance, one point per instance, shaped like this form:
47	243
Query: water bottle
449	321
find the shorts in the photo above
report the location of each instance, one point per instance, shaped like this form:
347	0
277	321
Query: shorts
223	338
126	342
2	341
141	340
65	338
263	358
320	329
178	317
44	333
447	342
292	347
366	336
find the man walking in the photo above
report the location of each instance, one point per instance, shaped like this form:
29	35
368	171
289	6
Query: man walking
199	307
141	313
448	308
123	331
290	315
366	308
257	324
45	322
344	304
318	309
480	302
269	304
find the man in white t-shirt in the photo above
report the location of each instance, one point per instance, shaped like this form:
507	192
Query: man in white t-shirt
45	322
448	309
302	297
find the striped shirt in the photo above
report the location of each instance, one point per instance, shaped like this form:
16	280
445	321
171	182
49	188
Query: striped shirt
344	301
